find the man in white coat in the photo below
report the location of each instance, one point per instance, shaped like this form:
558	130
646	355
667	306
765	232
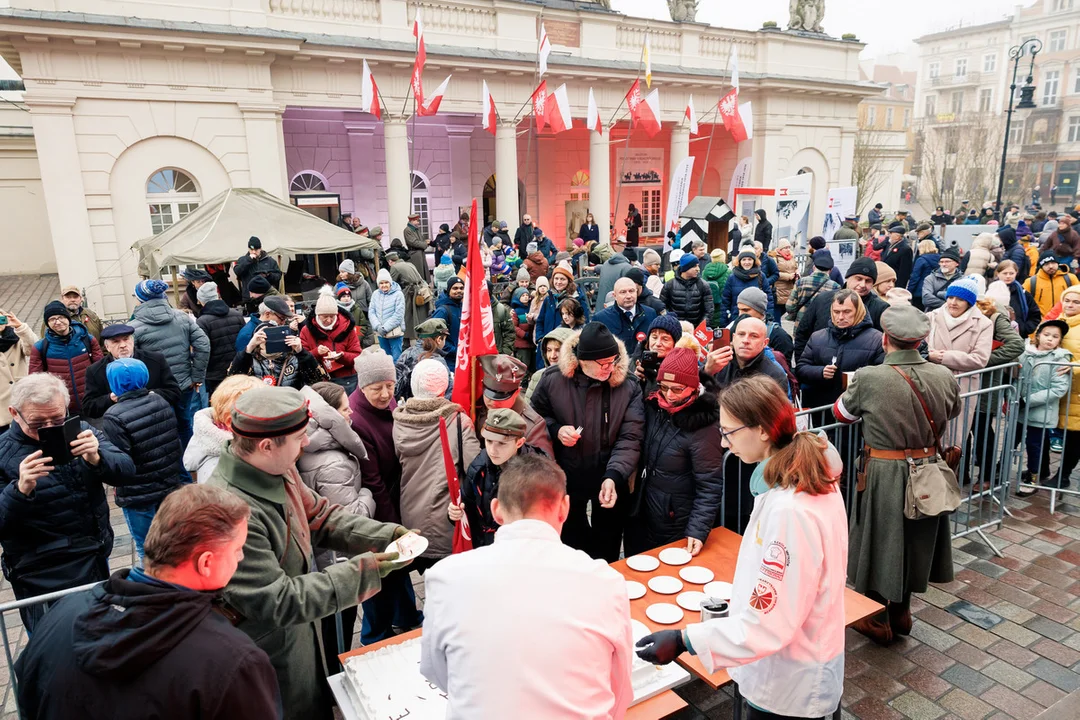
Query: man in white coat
510	629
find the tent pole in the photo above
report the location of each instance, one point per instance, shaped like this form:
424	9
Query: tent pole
318	270
281	282
175	286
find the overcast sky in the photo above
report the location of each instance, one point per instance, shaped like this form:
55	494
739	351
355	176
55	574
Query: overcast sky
884	25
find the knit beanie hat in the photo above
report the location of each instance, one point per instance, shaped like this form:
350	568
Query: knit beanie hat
950	253
126	374
384	275
578	242
817	242
341	288
254	243
347	266
898	296
718	255
446	260
523	274
688	260
530	248
150	290
455	280
669	324
563	270
650	257
885	273
596	342
637	275
258	285
326	305
679	366
542	281
207	293
754	298
374	366
430	378
823	260
998	291
980	285
965	288
863	266
55	308
1047	257
746	254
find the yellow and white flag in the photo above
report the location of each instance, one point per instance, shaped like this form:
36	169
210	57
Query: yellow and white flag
648	62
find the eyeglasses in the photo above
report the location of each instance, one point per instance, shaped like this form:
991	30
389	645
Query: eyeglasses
673	389
39	423
726	434
605	364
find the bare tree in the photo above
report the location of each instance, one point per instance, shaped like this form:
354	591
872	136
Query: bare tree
866	167
958	159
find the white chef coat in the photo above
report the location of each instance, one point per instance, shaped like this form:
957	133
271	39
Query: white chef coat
527	628
783	642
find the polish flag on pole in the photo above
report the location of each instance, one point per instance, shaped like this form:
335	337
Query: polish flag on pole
731	114
544	51
477	334
369	93
644	112
691	115
592	120
417	81
431	106
539	104
489	110
558	111
648	62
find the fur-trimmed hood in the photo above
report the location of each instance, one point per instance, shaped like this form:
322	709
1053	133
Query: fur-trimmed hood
425	411
328	429
568	361
703	412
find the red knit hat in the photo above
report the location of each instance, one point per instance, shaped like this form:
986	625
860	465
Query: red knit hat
680	366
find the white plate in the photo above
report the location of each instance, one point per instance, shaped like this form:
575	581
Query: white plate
665	584
408	546
691	600
635	589
718	589
674	556
696	574
642	563
638	630
664	613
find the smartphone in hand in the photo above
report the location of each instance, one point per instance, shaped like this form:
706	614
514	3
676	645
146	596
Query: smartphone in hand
56	440
275	338
721	338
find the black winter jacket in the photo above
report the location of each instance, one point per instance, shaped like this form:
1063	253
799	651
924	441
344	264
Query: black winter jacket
99	396
900	258
688	299
682	466
818	315
853	348
221	324
143	425
246	268
67	506
763	234
131	650
480	487
610	412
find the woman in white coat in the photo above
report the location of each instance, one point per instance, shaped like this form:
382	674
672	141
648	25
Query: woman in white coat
961	338
783	640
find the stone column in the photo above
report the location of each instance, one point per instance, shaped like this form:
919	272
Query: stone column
461	192
680	146
506	175
398	183
266	148
600	182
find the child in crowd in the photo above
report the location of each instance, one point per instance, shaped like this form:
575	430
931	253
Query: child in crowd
1041	389
550	347
573	315
524	349
444	271
143	425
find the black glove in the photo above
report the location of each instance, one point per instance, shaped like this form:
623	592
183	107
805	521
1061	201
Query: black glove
662	647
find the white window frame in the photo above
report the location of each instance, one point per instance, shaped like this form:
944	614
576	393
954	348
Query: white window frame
871	116
305	185
651	209
988	93
889	118
953	102
934	70
907	118
1072	129
421	202
1051	86
990	62
169	206
931	106
1058	37
1062	5
961	67
1016	132
1076	80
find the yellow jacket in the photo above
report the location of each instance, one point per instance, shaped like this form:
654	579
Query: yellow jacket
1071	342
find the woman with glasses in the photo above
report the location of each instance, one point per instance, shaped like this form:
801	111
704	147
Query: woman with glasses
680	479
783	638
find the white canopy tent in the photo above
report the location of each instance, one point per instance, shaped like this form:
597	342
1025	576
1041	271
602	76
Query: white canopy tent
218	232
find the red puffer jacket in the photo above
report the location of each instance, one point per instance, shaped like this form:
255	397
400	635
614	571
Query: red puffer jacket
342	338
67	357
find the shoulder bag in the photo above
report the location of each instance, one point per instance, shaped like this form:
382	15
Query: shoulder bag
932	488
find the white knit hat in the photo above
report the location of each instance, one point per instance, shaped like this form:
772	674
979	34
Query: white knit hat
373	366
430	379
999	292
384	274
326	304
207	293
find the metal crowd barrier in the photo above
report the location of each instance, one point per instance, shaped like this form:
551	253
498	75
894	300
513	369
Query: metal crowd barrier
1053	480
984	430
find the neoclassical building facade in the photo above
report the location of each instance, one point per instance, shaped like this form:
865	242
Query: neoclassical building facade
142	109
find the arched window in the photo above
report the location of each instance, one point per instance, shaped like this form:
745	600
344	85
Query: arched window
307	181
420	202
171	195
579	185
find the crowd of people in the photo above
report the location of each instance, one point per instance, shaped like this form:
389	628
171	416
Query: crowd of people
267	453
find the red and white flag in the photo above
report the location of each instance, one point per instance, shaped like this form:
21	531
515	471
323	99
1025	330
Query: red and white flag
431	104
544	51
644	112
477	335
488	113
592	119
369	93
733	117
539	104
417	81
558	110
691	116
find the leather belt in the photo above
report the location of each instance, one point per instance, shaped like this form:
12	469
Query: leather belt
915	454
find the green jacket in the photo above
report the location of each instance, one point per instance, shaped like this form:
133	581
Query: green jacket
504	328
277	590
716	275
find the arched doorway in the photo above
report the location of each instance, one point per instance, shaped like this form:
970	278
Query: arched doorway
491	212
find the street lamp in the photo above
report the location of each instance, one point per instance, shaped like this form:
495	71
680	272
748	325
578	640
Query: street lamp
1031	47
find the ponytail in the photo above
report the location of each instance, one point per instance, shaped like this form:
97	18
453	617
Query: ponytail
801	464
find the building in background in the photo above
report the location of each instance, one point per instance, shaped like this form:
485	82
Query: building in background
885	144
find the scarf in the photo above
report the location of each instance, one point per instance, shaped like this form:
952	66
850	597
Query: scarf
952	322
751	275
347	307
668	407
1018	289
8	339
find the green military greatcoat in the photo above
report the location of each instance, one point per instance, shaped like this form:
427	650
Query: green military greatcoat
277	590
889	554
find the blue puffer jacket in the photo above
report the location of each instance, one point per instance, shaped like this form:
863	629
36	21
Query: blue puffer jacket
449	310
175	335
244	336
386	310
68	504
924	265
143	425
853	347
737	281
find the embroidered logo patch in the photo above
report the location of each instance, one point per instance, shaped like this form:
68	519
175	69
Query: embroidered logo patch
763	599
640	336
775	561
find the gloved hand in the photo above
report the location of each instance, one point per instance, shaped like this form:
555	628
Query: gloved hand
388	563
401	531
661	647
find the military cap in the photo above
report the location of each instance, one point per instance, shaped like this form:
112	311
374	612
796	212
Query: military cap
392	256
375	231
503	421
269	412
904	323
503	375
433	327
115	331
414	216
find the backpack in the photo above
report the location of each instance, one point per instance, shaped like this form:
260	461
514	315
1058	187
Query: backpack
45	346
1069	282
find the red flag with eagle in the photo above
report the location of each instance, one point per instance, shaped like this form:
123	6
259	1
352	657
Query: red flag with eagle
539	103
644	112
418	65
477	335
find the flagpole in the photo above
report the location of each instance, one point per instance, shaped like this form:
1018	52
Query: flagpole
629	131
528	144
712	133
